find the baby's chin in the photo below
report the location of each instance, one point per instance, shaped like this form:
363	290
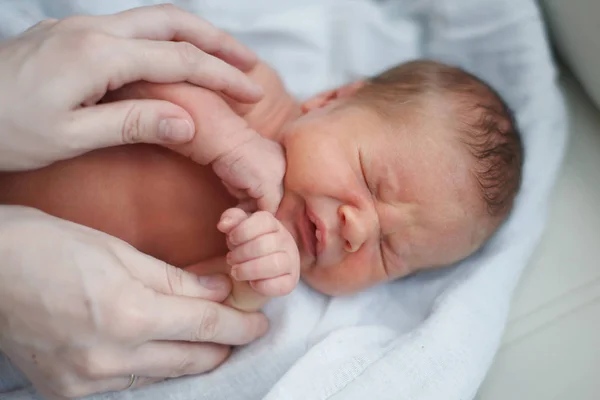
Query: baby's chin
335	280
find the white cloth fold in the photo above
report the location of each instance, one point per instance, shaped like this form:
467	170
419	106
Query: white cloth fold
428	337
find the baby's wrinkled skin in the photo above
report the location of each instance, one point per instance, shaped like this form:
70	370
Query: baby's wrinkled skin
365	200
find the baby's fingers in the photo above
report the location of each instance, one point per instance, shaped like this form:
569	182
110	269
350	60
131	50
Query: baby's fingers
230	219
280	286
262	246
271	266
270	201
235	192
258	224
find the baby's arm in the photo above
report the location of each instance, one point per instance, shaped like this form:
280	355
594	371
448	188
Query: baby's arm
250	165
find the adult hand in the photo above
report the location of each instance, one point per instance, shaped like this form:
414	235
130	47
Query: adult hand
53	75
81	311
251	166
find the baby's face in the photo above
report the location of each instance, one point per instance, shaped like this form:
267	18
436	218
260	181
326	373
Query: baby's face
368	202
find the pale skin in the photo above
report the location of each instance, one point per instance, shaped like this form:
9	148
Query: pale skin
365	200
80	310
388	198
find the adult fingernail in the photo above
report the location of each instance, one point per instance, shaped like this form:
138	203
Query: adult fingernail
248	57
175	130
256	90
212	282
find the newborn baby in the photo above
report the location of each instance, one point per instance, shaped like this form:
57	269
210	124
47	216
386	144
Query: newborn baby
415	168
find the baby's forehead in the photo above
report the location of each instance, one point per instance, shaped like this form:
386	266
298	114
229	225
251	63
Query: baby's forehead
417	164
481	129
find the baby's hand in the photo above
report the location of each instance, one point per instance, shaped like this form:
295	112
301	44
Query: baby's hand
253	172
262	251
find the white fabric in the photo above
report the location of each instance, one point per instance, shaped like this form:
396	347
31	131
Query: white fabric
574	26
428	337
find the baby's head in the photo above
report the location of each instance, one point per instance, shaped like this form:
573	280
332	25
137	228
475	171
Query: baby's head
413	169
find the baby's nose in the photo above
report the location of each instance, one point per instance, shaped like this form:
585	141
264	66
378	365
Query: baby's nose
356	227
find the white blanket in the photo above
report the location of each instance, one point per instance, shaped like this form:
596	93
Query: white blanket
428	337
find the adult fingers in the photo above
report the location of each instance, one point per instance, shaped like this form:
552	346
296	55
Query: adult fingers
154	359
117	384
170	23
168	280
193	320
127	122
173	359
84	387
169	62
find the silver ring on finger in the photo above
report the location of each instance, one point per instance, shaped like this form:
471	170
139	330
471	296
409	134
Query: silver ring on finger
132	380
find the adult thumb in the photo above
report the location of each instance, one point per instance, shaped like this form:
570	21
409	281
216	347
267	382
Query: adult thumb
130	121
167	279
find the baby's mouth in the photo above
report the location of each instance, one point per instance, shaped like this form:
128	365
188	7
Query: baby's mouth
308	232
317	231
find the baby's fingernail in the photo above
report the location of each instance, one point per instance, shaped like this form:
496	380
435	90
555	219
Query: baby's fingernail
228	258
225	221
175	130
212	282
234	273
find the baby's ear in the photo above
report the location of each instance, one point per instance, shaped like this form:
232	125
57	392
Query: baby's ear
324	98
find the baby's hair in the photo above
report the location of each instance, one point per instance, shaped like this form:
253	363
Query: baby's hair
484	122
